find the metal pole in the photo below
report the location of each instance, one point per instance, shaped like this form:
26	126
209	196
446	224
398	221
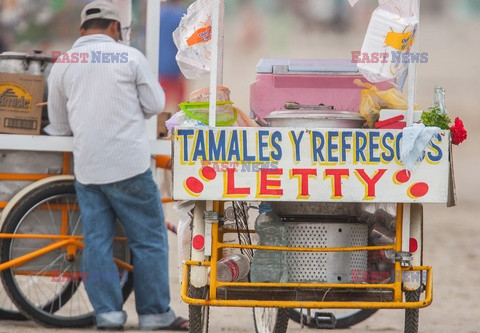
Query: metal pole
216	67
412	78
152	50
412	71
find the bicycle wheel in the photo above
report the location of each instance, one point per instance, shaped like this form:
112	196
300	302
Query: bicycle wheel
198	316
333	319
412	315
48	289
270	320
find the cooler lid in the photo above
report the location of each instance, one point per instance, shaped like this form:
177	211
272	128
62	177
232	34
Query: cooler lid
307	66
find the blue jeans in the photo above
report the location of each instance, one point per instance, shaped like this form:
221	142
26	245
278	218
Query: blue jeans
136	202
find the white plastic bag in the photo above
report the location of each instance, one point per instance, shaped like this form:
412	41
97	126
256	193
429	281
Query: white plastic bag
192	38
390	35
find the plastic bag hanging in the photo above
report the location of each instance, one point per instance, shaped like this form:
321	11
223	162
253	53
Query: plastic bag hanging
373	100
192	38
390	35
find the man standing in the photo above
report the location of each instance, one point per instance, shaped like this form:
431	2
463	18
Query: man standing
101	92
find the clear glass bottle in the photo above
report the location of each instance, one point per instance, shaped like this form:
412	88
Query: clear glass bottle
269	266
439	99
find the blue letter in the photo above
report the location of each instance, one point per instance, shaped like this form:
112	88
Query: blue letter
115	58
276	155
200	150
96	57
345	146
296	142
387	156
424	57
216	150
396	57
246	157
373	147
124	57
360	145
317	146
332	146
262	145
185	133
234	149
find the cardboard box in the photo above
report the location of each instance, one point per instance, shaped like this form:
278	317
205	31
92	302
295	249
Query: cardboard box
19	96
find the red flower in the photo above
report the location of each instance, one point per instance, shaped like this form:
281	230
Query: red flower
459	133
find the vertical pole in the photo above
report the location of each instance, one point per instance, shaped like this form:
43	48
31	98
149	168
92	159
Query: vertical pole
398	294
412	70
152	51
412	78
216	67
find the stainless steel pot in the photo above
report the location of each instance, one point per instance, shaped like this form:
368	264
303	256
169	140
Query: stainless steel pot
313	118
326	117
34	63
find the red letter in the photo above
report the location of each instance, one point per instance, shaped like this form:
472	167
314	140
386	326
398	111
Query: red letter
56	276
369	182
384	57
230	189
365	58
355	55
337	175
304	175
74	59
56	55
66	58
84	57
270	187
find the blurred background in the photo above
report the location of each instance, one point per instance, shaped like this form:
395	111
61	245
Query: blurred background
268	28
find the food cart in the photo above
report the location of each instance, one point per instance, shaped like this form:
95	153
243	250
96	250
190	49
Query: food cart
318	179
320	172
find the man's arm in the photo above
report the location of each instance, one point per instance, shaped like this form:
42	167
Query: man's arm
57	107
150	93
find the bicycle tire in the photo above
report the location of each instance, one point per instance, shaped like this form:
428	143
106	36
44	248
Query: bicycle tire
198	315
343	321
41	204
11	314
270	320
412	316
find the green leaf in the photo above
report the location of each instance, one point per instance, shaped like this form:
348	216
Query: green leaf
435	117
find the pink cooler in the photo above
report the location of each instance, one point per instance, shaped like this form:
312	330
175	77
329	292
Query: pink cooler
307	82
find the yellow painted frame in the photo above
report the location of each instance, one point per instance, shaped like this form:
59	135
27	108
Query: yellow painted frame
396	286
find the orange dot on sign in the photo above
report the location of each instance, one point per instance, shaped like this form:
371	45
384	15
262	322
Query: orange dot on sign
209	173
413	245
402	176
194	185
418	190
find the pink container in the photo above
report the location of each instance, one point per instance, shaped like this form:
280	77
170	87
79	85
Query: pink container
306	82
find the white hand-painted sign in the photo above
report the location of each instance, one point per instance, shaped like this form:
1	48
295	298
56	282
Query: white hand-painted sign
317	165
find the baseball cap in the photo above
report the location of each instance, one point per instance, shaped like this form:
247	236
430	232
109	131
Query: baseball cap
99	9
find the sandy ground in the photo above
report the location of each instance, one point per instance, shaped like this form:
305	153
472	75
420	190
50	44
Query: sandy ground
451	234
